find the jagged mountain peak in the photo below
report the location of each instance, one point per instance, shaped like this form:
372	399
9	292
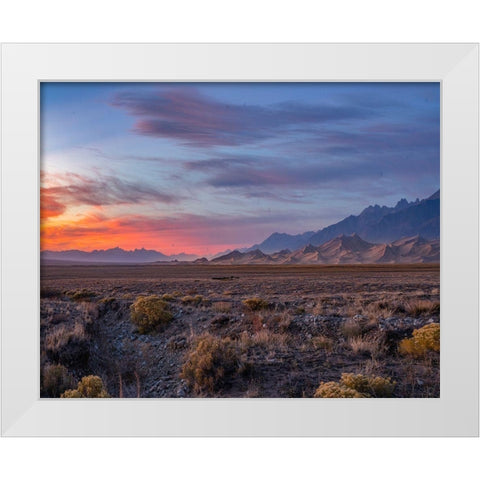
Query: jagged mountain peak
375	224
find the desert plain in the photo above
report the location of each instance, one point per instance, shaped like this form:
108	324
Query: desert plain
240	331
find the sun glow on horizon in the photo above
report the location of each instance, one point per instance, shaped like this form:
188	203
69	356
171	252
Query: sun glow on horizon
204	168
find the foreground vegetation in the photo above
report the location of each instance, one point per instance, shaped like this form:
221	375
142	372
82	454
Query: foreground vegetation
172	331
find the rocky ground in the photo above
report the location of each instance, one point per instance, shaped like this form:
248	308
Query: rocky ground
313	324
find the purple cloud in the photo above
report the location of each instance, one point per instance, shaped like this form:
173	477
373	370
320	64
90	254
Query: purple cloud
197	120
74	189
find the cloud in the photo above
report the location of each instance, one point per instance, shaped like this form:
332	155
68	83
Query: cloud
194	119
60	191
49	205
332	159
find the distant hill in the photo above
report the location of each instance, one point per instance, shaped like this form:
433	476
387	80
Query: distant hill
278	241
376	224
112	255
344	249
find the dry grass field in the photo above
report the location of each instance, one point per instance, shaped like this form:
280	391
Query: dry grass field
240	331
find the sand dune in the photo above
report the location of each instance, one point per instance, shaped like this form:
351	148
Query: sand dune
344	249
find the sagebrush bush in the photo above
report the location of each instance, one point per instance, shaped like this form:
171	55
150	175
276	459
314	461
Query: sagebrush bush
55	379
150	313
190	300
82	294
336	390
368	385
210	364
255	303
423	340
88	387
356	386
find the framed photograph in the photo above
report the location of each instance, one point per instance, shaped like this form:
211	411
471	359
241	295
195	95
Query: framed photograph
240	240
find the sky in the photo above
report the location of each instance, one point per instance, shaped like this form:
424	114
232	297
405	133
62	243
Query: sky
204	167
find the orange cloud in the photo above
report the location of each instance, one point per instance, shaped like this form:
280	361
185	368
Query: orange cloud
50	206
95	231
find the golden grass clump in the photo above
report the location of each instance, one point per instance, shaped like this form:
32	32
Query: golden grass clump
88	387
263	338
150	313
190	300
168	297
356	386
420	307
423	340
82	294
222	307
63	335
210	364
255	303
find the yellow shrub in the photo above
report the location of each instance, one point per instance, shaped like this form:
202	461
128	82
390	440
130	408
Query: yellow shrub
88	387
368	385
356	386
423	340
82	294
71	394
196	300
255	303
336	390
149	313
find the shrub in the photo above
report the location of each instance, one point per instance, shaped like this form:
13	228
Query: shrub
168	297
210	364
368	385
336	390
423	340
88	387
356	386
255	303
150	313
82	294
189	300
71	394
55	380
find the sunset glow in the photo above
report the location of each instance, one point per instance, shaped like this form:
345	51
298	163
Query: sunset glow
201	168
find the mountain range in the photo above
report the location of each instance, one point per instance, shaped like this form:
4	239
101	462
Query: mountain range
344	249
370	237
375	224
112	255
